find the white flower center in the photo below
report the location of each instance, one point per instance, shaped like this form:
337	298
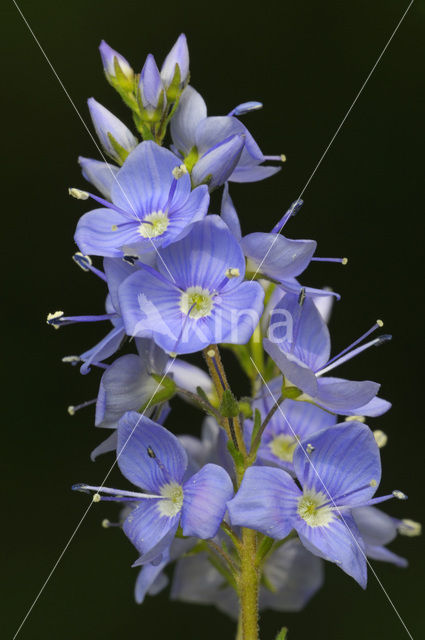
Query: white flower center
283	446
308	509
154	224
173	499
196	302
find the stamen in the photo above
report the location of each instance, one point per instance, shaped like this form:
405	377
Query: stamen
409	528
280	158
342	261
245	107
179	172
232	272
72	409
130	259
381	438
57	319
395	494
355	419
337	499
116	493
85	263
131	223
171	194
399	495
292	211
296	329
309	448
54	319
71	360
78	193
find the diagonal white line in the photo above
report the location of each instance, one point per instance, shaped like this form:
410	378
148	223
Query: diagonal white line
332	500
87	129
53	569
341	124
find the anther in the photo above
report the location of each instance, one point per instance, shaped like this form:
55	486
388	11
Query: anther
82	260
409	528
355	419
381	438
301	297
71	359
380	323
130	259
373	483
179	172
232	272
344	261
309	448
78	194
399	495
106	523
211	353
71	410
114	227
53	319
96	497
383	339
151	452
282	157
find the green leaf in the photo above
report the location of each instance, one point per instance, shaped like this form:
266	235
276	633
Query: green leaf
229	407
245	408
174	90
119	150
165	391
282	635
237	456
201	393
191	159
257	425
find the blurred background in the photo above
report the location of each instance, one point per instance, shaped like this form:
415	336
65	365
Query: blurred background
306	62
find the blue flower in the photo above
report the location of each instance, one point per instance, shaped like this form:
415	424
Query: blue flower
150	207
202	137
294	421
300	346
151	87
153	459
377	530
178	55
338	469
107	125
109	56
197	296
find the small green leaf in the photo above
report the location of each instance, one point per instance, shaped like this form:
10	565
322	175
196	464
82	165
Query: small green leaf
237	456
119	150
245	408
229	407
191	159
174	90
201	393
165	391
282	635
257	425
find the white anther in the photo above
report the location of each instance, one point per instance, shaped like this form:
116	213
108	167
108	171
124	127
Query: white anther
78	194
232	272
173	354
180	171
114	227
344	261
380	323
410	528
373	483
71	359
399	495
211	353
283	157
355	419
71	410
106	523
80	262
309	448
54	316
96	497
381	438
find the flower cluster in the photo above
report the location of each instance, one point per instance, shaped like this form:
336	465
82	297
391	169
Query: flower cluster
278	481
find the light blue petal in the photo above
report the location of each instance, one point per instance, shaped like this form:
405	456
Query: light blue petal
375	526
189	377
229	214
100	174
150	84
215	166
292	368
204	504
385	555
95	236
279	257
190	112
116	271
108	445
179	55
105	122
345	395
103	349
375	407
253	173
147	577
237	313
137	434
147	529
266	501
345	463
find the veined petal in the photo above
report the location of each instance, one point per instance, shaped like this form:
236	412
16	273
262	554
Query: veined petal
266	501
375	526
95	234
144	181
191	110
292	368
375	407
147	528
341	396
229	214
344	464
252	173
385	555
103	349
217	164
138	439
108	445
147	577
339	542
116	271
106	123
204	503
179	54
237	313
101	174
279	257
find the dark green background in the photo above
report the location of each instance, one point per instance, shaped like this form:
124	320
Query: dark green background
306	61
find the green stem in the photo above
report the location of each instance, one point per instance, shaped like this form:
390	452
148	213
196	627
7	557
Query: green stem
267	419
248	585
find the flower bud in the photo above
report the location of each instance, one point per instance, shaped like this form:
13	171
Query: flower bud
116	67
179	55
115	137
151	87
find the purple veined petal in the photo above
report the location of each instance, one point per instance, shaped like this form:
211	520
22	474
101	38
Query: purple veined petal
279	257
126	386
344	464
246	107
108	54
341	396
108	445
291	285
179	54
100	174
214	130
194	210
204	504
385	555
161	548
116	271
296	575
217	164
188	376
144	181
202	257
95	233
190	112
153	357
138	437
375	526
150	84
292	368
105	122
147	529
151	305
375	407
324	305
147	577
301	331
229	214
252	173
338	542
103	349
266	501
237	313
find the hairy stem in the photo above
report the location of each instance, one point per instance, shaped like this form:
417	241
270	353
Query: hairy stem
248	586
267	419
